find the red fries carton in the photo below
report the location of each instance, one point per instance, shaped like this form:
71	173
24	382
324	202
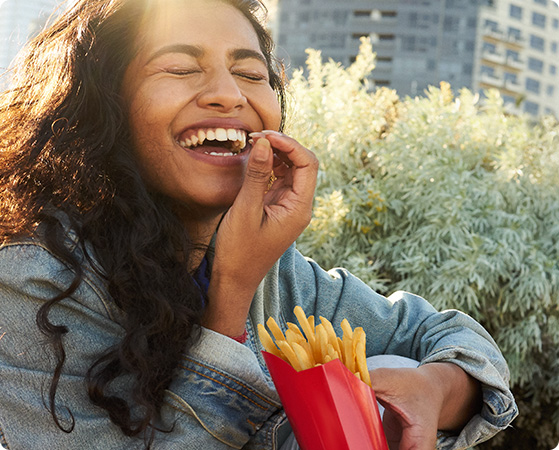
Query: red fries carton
328	407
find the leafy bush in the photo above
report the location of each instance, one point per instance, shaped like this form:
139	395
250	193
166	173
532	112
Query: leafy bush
449	197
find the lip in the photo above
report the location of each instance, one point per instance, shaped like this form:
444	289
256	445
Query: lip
223	161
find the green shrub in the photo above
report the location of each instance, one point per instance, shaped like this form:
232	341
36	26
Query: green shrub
449	197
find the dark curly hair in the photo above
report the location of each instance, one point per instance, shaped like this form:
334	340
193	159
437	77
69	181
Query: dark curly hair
65	145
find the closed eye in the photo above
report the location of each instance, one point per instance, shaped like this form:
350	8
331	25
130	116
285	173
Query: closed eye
182	72
251	76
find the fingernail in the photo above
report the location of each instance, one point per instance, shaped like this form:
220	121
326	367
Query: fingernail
264	133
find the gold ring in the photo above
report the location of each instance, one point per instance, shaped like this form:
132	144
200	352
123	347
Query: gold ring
271	181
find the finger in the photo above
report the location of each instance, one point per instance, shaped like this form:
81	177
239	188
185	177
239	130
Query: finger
287	149
257	177
304	162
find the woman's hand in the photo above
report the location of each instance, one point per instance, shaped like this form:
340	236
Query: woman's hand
418	402
259	227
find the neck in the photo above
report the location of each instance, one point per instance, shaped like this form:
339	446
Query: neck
200	229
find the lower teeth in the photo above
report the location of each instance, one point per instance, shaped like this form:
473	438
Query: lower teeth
220	154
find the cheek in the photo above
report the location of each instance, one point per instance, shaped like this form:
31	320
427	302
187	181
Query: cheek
264	101
270	111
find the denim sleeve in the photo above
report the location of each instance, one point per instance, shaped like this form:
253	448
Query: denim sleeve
215	401
406	325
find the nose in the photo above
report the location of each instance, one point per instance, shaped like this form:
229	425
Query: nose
222	93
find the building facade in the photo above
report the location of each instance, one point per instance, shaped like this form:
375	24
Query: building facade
19	20
510	45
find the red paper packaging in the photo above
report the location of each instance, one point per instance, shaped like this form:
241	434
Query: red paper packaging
328	407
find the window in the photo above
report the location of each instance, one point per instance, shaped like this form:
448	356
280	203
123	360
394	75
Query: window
488	47
513	55
386	37
550	90
532	108
533	85
511	77
554	47
515	33
358	36
452	23
538	20
362	13
486	70
537	42
516	12
408	43
541	2
555	23
552	69
535	65
489	24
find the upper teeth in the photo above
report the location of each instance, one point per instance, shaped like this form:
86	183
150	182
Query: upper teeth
237	137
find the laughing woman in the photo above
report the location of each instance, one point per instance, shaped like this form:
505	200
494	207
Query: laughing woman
142	242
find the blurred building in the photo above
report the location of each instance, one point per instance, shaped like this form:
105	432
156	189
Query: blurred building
511	45
19	20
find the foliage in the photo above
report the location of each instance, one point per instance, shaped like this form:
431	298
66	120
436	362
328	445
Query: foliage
449	197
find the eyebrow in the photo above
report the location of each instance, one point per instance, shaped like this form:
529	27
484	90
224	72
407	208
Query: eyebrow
191	50
197	52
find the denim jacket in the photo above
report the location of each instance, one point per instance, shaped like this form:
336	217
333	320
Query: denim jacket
221	396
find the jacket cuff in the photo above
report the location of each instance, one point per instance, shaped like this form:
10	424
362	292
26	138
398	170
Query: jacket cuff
499	408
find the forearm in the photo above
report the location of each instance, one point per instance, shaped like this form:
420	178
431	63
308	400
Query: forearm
228	306
460	394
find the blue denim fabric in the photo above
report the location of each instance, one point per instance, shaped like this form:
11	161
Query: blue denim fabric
221	396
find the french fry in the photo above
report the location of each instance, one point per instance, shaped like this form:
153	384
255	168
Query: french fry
289	354
297	338
275	329
322	341
311	322
291	326
341	347
347	345
361	362
267	341
305	325
330	332
332	352
303	357
308	328
311	345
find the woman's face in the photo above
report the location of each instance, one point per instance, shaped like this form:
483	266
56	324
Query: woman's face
197	87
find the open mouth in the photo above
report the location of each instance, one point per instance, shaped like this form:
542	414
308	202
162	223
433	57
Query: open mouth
214	141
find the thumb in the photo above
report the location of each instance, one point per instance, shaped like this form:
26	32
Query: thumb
257	174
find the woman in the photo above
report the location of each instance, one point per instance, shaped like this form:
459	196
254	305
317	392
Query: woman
143	240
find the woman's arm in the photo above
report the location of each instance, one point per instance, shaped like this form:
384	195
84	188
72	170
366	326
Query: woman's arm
418	402
259	227
219	397
406	325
